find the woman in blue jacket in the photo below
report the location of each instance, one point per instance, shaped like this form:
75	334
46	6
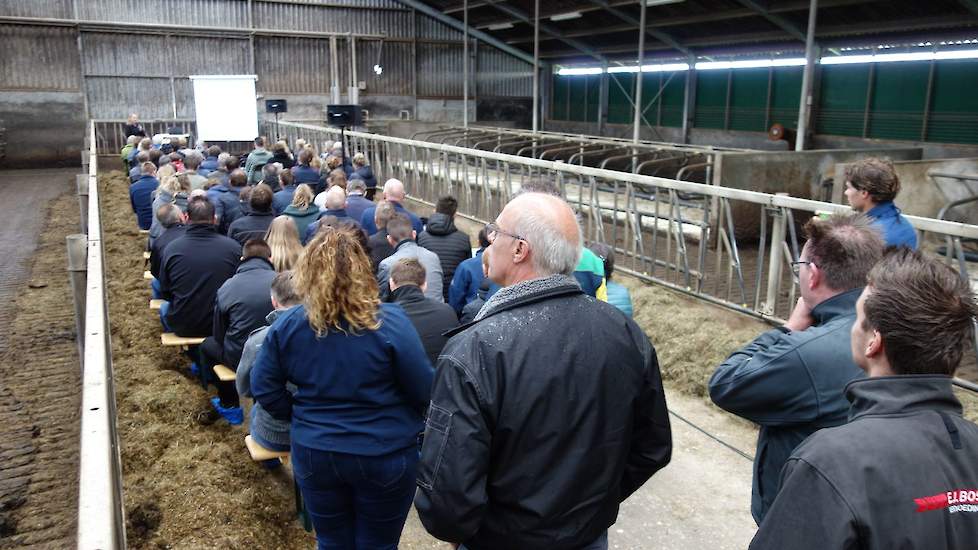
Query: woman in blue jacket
363	381
871	186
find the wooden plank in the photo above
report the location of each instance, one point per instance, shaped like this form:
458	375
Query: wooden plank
259	453
155	304
223	373
171	339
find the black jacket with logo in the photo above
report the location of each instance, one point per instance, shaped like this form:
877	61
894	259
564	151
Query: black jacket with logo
194	267
452	246
545	415
903	473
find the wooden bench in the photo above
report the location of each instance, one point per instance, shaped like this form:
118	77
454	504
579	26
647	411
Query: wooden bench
144	231
155	304
224	374
145	255
171	339
148	276
259	453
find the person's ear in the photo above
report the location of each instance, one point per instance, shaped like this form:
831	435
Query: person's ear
875	345
391	240
815	276
390	284
414	235
522	252
424	286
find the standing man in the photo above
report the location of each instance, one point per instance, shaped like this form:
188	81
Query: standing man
533	437
442	237
257	160
903	473
871	186
790	379
141	195
401	237
431	318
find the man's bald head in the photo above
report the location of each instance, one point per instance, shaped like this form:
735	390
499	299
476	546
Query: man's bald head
335	198
394	190
550	228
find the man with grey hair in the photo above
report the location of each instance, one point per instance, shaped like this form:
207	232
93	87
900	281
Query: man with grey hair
547	411
394	194
356	202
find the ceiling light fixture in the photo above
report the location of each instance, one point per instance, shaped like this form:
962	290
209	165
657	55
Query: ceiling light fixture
566	16
500	26
651	3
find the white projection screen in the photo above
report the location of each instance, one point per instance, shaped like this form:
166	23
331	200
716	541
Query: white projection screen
226	107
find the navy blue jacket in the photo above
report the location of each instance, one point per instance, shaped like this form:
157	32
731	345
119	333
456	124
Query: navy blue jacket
312	228
303	173
897	231
243	302
465	283
357	393
207	166
365	173
356	205
226	200
367	219
282	199
253	225
158	246
141	198
792	384
194	267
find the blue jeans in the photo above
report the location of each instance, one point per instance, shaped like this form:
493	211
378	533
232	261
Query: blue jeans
356	501
155	286
164	309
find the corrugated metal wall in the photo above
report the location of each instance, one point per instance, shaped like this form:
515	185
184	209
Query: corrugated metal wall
46	58
143	69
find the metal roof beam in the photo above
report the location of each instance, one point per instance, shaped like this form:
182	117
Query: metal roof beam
548	29
781	22
459	26
658	35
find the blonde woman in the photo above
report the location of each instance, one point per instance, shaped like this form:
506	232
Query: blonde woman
363	380
173	189
283	239
302	210
166	171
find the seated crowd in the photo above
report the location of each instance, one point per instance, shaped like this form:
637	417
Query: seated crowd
499	394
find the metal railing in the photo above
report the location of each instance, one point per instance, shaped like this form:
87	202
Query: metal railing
101	521
110	133
730	247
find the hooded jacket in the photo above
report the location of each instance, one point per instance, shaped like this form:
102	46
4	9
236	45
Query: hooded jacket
262	424
903	473
467	281
256	161
302	216
532	440
452	246
366	173
791	383
242	304
194	267
227	205
432	319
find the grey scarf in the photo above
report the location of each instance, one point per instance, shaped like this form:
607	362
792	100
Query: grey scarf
522	289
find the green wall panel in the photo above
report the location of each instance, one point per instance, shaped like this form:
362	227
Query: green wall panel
619	107
578	99
785	96
899	93
748	100
954	103
561	85
842	102
711	99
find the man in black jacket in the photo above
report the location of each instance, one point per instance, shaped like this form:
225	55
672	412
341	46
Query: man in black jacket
255	223
172	220
431	318
903	473
536	433
194	266
443	238
243	302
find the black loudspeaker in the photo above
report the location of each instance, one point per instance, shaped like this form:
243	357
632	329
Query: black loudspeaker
344	115
276	106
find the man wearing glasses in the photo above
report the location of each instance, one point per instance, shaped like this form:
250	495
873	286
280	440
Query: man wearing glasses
790	380
546	411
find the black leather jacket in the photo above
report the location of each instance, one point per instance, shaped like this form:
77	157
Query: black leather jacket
545	414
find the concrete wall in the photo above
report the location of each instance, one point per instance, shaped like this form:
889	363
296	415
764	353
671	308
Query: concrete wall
935	151
519	111
41	129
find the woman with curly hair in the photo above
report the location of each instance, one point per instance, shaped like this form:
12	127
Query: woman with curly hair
362	381
283	238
